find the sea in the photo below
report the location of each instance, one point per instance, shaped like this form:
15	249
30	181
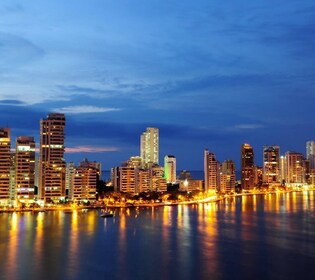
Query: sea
268	236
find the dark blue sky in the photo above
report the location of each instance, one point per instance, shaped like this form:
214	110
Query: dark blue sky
208	73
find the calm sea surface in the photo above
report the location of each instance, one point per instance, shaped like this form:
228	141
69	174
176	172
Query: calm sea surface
252	237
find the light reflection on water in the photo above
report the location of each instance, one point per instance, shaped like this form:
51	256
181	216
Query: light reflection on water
260	236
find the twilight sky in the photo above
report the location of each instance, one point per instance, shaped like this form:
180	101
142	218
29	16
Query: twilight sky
207	73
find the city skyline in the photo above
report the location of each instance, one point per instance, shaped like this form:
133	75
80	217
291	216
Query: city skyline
207	74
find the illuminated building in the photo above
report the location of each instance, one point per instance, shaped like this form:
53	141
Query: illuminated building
271	164
134	161
149	146
143	180
282	173
158	182
227	176
127	179
170	169
12	179
84	184
294	168
247	167
52	163
5	162
310	153
258	175
211	172
24	168
69	177
93	164
188	184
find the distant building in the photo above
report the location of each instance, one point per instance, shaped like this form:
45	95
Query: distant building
5	163
143	180
127	179
271	164
294	167
211	172
247	167
93	164
170	169
149	146
282	171
25	168
70	169
158	182
84	184
310	153
52	163
188	183
227	176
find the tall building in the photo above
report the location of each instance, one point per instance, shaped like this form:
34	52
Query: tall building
5	163
24	168
271	164
247	167
227	176
170	169
158	182
294	168
282	170
127	179
310	153
52	163
70	169
149	146
211	172
84	184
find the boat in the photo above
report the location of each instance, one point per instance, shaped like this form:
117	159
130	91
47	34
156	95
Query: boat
107	214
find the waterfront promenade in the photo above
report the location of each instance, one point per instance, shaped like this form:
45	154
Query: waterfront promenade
136	203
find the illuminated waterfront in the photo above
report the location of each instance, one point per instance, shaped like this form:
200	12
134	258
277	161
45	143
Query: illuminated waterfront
261	236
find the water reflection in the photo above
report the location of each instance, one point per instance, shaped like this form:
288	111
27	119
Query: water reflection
214	240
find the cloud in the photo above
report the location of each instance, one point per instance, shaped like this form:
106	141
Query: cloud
16	51
90	149
11	102
85	109
248	126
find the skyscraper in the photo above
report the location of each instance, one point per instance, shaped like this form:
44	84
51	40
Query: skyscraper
294	167
211	172
310	153
227	176
5	162
149	146
52	163
271	164
24	168
170	168
247	167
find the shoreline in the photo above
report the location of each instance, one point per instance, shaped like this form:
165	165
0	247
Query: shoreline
157	204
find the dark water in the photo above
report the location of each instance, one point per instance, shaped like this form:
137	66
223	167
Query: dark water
253	237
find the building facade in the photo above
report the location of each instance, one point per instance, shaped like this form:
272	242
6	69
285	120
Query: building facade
149	146
310	153
227	176
5	163
294	168
170	169
247	167
271	164
52	163
211	172
25	169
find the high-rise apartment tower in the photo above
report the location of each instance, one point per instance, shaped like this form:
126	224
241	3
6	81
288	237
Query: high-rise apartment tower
52	163
247	167
149	146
